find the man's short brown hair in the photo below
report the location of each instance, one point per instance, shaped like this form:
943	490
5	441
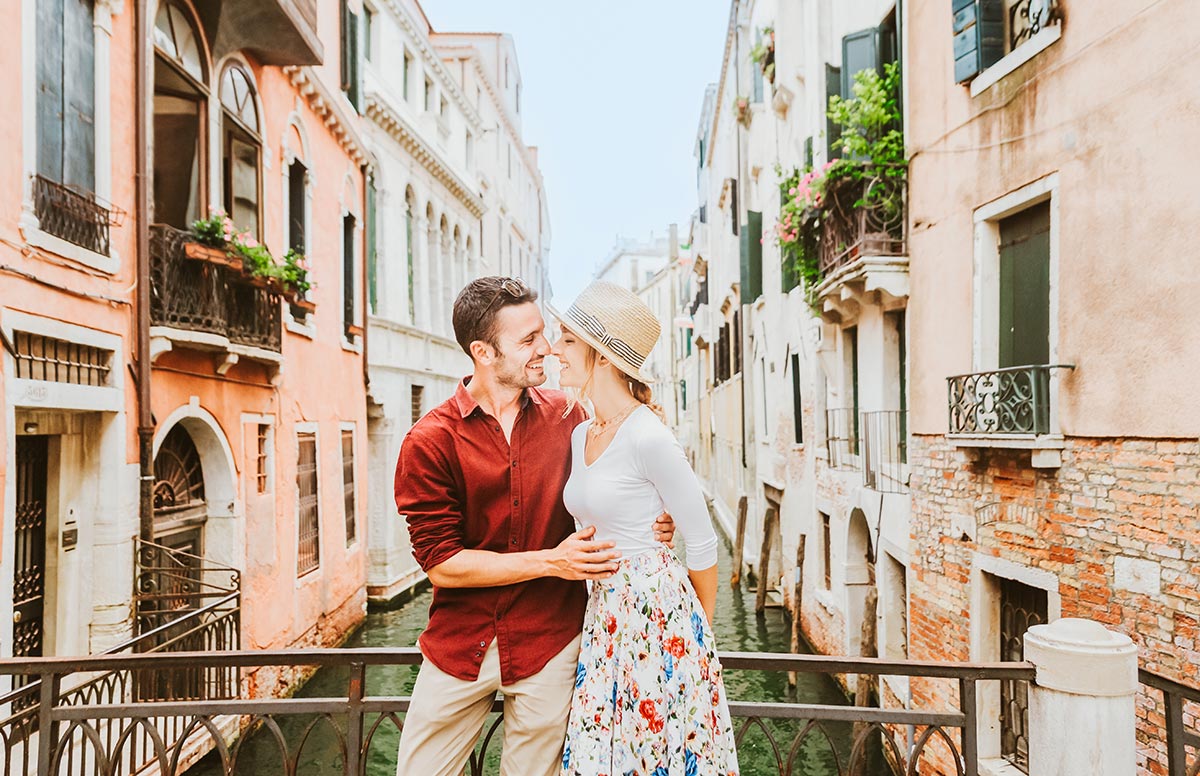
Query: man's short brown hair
479	303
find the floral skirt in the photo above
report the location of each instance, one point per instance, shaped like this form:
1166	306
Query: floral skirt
649	699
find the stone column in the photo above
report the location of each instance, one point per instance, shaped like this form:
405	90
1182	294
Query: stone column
1081	705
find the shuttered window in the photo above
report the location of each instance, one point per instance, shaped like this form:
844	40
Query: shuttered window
348	485
418	402
348	275
797	403
978	28
1025	288
734	213
751	257
372	227
66	97
351	54
833	133
308	555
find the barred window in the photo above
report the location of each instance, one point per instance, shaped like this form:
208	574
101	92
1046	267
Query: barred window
262	458
58	361
826	558
308	556
418	399
348	485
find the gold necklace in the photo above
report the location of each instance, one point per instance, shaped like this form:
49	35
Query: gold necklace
599	427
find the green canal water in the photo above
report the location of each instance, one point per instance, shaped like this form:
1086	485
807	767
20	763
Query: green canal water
737	629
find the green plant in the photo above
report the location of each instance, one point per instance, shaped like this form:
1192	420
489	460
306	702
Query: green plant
293	272
763	53
215	231
873	145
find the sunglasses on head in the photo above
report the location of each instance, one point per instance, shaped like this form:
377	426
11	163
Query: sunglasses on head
514	287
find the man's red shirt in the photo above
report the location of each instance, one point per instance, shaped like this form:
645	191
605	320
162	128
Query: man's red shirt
462	485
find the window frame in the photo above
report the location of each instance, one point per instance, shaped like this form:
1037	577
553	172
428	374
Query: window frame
302	432
350	498
249	136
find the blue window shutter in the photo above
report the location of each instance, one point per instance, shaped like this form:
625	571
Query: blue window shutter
50	89
79	95
978	36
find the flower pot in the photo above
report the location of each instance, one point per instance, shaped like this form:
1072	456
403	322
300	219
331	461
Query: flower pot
201	252
354	331
301	303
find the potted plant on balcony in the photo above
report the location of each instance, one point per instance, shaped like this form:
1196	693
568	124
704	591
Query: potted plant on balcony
211	241
763	53
742	110
292	271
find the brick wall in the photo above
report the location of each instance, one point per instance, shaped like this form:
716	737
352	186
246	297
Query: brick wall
1118	525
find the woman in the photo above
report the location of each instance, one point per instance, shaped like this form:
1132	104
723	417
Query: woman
649	698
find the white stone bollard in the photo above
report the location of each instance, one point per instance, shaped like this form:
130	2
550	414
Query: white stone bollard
1081	705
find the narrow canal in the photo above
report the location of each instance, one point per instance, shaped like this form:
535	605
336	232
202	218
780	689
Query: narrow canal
737	629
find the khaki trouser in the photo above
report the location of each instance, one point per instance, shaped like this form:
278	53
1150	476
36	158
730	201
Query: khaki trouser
447	714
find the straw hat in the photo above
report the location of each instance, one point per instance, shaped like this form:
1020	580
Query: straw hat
615	322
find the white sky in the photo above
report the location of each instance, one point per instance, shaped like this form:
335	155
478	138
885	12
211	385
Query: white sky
612	95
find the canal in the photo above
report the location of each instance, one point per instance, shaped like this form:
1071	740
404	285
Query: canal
737	629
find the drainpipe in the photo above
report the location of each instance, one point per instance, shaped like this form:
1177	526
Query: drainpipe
142	220
370	219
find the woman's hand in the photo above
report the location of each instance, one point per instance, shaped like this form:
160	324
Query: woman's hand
664	530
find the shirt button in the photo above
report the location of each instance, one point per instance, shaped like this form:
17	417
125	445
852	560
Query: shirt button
516	502
483	643
514	464
497	428
514	541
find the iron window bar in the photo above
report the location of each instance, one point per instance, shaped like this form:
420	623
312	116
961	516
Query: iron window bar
1012	400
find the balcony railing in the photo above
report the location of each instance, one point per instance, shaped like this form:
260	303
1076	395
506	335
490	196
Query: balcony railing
210	298
1180	707
885	451
866	217
841	437
74	216
1013	401
362	727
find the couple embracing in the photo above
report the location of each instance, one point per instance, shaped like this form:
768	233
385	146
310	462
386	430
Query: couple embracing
493	482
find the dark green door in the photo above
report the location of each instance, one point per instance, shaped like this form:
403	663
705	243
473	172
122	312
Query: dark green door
1025	287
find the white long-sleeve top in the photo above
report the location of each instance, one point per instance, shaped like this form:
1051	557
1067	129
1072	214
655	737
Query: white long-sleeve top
641	474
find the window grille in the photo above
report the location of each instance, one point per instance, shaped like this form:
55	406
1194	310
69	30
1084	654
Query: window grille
261	469
39	357
348	484
309	555
1021	607
418	399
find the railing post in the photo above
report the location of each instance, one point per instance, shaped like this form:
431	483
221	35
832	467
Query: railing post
1081	703
354	719
970	731
47	735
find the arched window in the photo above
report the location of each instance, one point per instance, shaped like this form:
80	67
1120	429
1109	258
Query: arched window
241	150
180	94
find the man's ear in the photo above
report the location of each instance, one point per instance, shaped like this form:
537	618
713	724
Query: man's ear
482	352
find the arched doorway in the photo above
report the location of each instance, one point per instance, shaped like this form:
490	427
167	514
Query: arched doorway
860	580
180	510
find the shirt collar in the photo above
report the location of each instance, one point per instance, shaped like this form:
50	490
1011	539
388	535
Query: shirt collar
467	404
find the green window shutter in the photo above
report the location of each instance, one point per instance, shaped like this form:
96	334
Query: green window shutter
808	152
751	257
1025	287
797	400
860	51
351	83
50	89
348	263
734	211
79	95
978	36
372	246
833	133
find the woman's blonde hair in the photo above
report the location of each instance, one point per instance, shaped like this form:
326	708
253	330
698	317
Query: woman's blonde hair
640	390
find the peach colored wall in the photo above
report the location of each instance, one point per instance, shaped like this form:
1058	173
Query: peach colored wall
322	383
1112	109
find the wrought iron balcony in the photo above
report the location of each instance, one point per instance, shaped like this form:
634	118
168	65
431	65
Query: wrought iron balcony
866	217
228	311
1014	401
841	437
77	217
885	451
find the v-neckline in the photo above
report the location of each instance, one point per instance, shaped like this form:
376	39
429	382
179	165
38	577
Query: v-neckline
611	442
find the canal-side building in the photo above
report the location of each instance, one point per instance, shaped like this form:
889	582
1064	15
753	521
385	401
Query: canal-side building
68	259
258	396
251	516
1053	332
799	430
457	195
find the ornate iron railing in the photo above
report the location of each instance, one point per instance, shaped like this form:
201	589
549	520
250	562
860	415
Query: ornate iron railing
172	583
1180	707
360	726
202	296
1015	400
1027	18
885	450
77	217
213	626
841	438
865	217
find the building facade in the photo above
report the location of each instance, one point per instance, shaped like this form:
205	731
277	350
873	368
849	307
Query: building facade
164	438
1053	435
457	195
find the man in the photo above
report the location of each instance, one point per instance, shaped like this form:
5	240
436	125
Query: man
480	479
